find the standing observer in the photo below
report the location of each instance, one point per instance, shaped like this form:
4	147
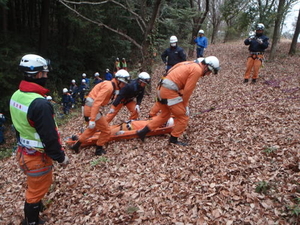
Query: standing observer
173	94
38	139
174	54
201	42
257	42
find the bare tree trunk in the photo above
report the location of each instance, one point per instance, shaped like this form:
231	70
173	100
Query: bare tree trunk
44	25
276	35
295	37
216	18
197	22
147	54
4	21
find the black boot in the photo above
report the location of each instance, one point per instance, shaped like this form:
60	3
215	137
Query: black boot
174	140
42	207
143	132
76	146
100	150
253	81
32	211
246	81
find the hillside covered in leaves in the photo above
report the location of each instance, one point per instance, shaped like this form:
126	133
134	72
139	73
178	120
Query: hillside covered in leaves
241	165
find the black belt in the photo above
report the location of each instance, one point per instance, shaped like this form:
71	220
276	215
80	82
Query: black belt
256	53
163	101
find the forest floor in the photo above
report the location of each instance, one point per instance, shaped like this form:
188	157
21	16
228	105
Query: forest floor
241	165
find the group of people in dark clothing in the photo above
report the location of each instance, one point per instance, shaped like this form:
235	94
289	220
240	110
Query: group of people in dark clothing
76	94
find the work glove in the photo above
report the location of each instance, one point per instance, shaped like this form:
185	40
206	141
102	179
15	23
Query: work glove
187	111
92	125
137	108
65	162
111	110
260	41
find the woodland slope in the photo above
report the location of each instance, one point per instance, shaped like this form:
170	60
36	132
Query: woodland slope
241	165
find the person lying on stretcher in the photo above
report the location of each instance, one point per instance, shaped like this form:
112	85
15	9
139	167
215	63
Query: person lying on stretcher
126	130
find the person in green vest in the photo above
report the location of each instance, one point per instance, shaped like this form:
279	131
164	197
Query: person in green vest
117	65
39	142
124	64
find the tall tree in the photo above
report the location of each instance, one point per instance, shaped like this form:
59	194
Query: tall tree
282	10
237	14
145	21
278	22
216	18
43	40
202	9
293	47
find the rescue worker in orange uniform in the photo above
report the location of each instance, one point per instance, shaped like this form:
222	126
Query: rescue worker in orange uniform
173	94
171	56
257	44
99	96
38	139
133	90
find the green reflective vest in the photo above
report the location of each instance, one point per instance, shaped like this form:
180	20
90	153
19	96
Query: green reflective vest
19	104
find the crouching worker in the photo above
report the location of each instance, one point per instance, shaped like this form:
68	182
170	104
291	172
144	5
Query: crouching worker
173	94
38	140
133	90
99	96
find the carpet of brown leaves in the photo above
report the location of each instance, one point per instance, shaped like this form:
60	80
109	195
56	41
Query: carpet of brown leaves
241	165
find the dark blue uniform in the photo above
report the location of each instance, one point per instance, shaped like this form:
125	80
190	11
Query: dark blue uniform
129	92
173	55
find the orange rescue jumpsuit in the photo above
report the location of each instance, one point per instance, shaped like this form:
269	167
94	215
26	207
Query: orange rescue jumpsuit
185	75
99	96
255	62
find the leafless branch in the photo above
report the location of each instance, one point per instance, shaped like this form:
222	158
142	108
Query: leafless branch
100	24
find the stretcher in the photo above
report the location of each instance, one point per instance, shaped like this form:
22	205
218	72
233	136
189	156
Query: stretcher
126	130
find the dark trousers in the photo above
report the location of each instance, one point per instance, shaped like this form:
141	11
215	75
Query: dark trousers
200	51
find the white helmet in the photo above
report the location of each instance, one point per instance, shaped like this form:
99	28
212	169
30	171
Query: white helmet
49	98
84	75
173	39
251	34
65	90
144	77
213	63
123	76
73	81
96	74
170	122
260	26
107	70
199	60
201	32
83	81
32	64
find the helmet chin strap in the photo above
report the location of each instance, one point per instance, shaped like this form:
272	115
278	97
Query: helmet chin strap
206	70
118	83
41	81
